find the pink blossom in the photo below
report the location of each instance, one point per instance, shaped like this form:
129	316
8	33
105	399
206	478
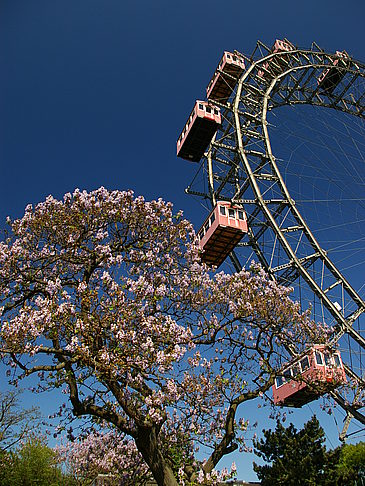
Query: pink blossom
104	293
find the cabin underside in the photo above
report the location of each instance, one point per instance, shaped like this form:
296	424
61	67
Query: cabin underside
220	244
197	140
331	80
223	88
307	394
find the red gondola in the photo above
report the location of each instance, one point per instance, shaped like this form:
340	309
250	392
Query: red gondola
313	374
221	231
278	64
331	77
221	86
198	132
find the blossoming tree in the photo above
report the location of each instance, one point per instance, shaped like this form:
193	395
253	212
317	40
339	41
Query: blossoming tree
104	295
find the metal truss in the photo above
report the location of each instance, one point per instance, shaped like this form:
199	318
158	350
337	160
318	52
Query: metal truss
241	167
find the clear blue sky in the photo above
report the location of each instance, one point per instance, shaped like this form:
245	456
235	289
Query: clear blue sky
95	92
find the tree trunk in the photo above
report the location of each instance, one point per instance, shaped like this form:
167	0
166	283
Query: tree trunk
147	445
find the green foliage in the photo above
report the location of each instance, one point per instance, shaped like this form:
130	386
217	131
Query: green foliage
351	465
346	465
300	458
295	457
32	464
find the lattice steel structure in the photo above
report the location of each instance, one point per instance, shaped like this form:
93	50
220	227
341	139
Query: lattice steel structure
241	167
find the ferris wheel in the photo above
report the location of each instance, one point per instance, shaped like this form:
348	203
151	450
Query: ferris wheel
231	135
